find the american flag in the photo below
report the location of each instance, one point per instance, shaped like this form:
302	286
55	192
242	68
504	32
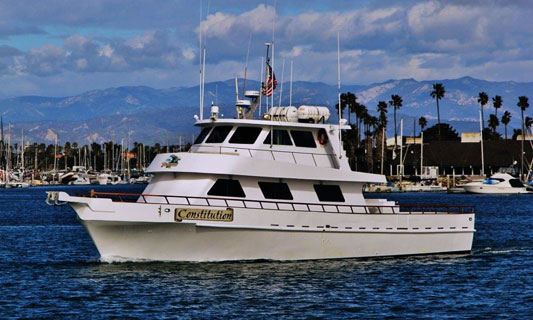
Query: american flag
271	83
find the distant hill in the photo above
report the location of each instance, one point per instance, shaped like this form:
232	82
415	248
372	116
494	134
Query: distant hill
149	115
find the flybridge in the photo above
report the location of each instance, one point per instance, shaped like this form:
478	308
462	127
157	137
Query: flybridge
247	104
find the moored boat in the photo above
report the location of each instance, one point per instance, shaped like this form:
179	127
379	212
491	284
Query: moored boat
498	183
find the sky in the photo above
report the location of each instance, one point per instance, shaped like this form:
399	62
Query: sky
64	47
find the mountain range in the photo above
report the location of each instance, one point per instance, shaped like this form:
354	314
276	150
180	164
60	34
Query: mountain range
151	115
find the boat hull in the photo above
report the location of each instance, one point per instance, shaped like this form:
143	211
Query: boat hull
125	231
119	241
488	189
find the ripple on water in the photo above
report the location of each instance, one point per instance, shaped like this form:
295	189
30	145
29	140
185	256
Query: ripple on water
50	268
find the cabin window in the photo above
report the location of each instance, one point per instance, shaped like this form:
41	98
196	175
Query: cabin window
303	139
275	190
330	193
245	135
281	137
202	135
516	183
219	134
227	188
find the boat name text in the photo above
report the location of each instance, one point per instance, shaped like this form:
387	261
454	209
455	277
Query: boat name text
203	214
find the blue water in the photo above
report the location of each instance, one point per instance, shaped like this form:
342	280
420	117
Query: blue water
49	269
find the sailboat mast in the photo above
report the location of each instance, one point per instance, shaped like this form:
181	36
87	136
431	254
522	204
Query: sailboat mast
481	135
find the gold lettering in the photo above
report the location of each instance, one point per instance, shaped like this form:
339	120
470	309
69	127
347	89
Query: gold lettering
181	214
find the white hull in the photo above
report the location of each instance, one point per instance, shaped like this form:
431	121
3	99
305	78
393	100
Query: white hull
490	189
188	242
138	231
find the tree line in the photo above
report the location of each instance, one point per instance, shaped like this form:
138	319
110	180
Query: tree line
107	155
374	127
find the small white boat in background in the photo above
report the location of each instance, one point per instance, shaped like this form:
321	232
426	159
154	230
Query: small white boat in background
102	179
499	183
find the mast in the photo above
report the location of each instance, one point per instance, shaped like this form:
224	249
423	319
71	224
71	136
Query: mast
22	152
421	151
55	155
339	90
401	150
481	135
246	66
267	73
199	64
290	88
260	87
383	150
273	34
281	86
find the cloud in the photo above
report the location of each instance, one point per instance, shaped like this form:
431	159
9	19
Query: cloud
380	40
78	53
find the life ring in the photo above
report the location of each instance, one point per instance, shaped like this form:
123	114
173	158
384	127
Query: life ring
322	137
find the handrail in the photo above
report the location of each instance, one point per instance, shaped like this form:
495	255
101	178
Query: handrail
368	209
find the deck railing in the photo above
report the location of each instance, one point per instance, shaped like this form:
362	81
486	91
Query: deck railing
286	206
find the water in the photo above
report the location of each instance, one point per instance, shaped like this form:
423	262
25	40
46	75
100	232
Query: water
49	269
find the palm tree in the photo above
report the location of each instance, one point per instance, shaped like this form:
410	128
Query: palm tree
360	114
351	101
381	135
437	94
497	102
382	109
493	122
422	122
506	118
395	102
523	103
482	100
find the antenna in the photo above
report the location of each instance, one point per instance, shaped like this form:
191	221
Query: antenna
339	88
246	66
290	88
273	33
236	90
281	86
200	62
261	86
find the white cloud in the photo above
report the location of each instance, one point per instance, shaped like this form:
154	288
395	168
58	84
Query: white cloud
421	39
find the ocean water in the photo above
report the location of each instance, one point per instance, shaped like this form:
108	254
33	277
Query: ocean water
50	269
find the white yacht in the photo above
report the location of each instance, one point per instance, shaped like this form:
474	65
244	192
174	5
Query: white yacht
275	188
498	183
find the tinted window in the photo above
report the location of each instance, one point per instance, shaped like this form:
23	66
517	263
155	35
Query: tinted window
303	139
227	188
202	135
219	134
245	135
275	190
328	193
516	183
281	137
